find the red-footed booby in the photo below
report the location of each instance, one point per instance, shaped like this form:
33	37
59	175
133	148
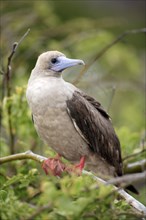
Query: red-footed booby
72	123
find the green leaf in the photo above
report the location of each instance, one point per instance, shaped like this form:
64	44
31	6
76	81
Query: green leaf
3	195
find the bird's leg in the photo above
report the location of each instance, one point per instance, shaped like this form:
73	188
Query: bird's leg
81	164
53	166
77	169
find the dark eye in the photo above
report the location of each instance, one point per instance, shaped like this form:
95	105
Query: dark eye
54	60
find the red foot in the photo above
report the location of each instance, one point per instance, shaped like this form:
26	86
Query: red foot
53	166
77	169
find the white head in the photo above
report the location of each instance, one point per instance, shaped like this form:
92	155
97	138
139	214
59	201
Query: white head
52	63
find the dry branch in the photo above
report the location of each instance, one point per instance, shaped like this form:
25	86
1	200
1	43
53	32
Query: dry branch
128	179
138	207
6	90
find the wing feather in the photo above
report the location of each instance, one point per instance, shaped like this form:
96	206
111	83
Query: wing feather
94	125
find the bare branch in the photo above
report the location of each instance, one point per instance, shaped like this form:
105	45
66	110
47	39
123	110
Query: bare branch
7	75
22	38
6	90
21	156
133	155
105	49
111	98
138	207
127	179
1	71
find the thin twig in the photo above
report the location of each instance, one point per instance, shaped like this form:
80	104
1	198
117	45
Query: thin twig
138	207
1	71
6	90
105	49
133	155
111	98
22	38
7	77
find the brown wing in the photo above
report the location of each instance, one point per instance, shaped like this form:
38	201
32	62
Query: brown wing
96	128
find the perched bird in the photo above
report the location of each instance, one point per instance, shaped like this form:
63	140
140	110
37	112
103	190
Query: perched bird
72	123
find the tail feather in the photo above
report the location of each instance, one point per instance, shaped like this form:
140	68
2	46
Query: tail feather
132	189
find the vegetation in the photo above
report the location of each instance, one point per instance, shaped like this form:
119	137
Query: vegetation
115	77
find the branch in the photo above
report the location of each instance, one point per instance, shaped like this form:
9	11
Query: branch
21	156
135	167
111	98
7	75
105	49
126	180
130	168
6	87
133	155
139	207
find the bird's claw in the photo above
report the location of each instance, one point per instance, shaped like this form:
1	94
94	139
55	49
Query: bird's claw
56	167
53	166
77	169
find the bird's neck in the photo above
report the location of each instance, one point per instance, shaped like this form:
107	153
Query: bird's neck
47	75
53	74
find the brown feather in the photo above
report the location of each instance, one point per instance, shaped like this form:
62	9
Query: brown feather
96	127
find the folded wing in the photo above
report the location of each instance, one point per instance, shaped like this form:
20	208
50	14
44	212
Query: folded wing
94	125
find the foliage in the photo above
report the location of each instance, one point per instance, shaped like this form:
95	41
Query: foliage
26	193
70	197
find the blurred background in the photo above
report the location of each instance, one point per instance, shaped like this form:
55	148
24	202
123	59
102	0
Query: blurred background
79	29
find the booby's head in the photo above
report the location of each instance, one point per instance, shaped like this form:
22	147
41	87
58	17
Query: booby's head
52	63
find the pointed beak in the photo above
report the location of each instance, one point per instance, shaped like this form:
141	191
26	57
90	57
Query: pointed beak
64	62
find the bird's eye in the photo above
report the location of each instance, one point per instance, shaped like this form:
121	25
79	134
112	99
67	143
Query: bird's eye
54	60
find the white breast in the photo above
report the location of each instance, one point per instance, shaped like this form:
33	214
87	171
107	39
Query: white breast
47	100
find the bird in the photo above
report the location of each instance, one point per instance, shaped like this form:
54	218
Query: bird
72	123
